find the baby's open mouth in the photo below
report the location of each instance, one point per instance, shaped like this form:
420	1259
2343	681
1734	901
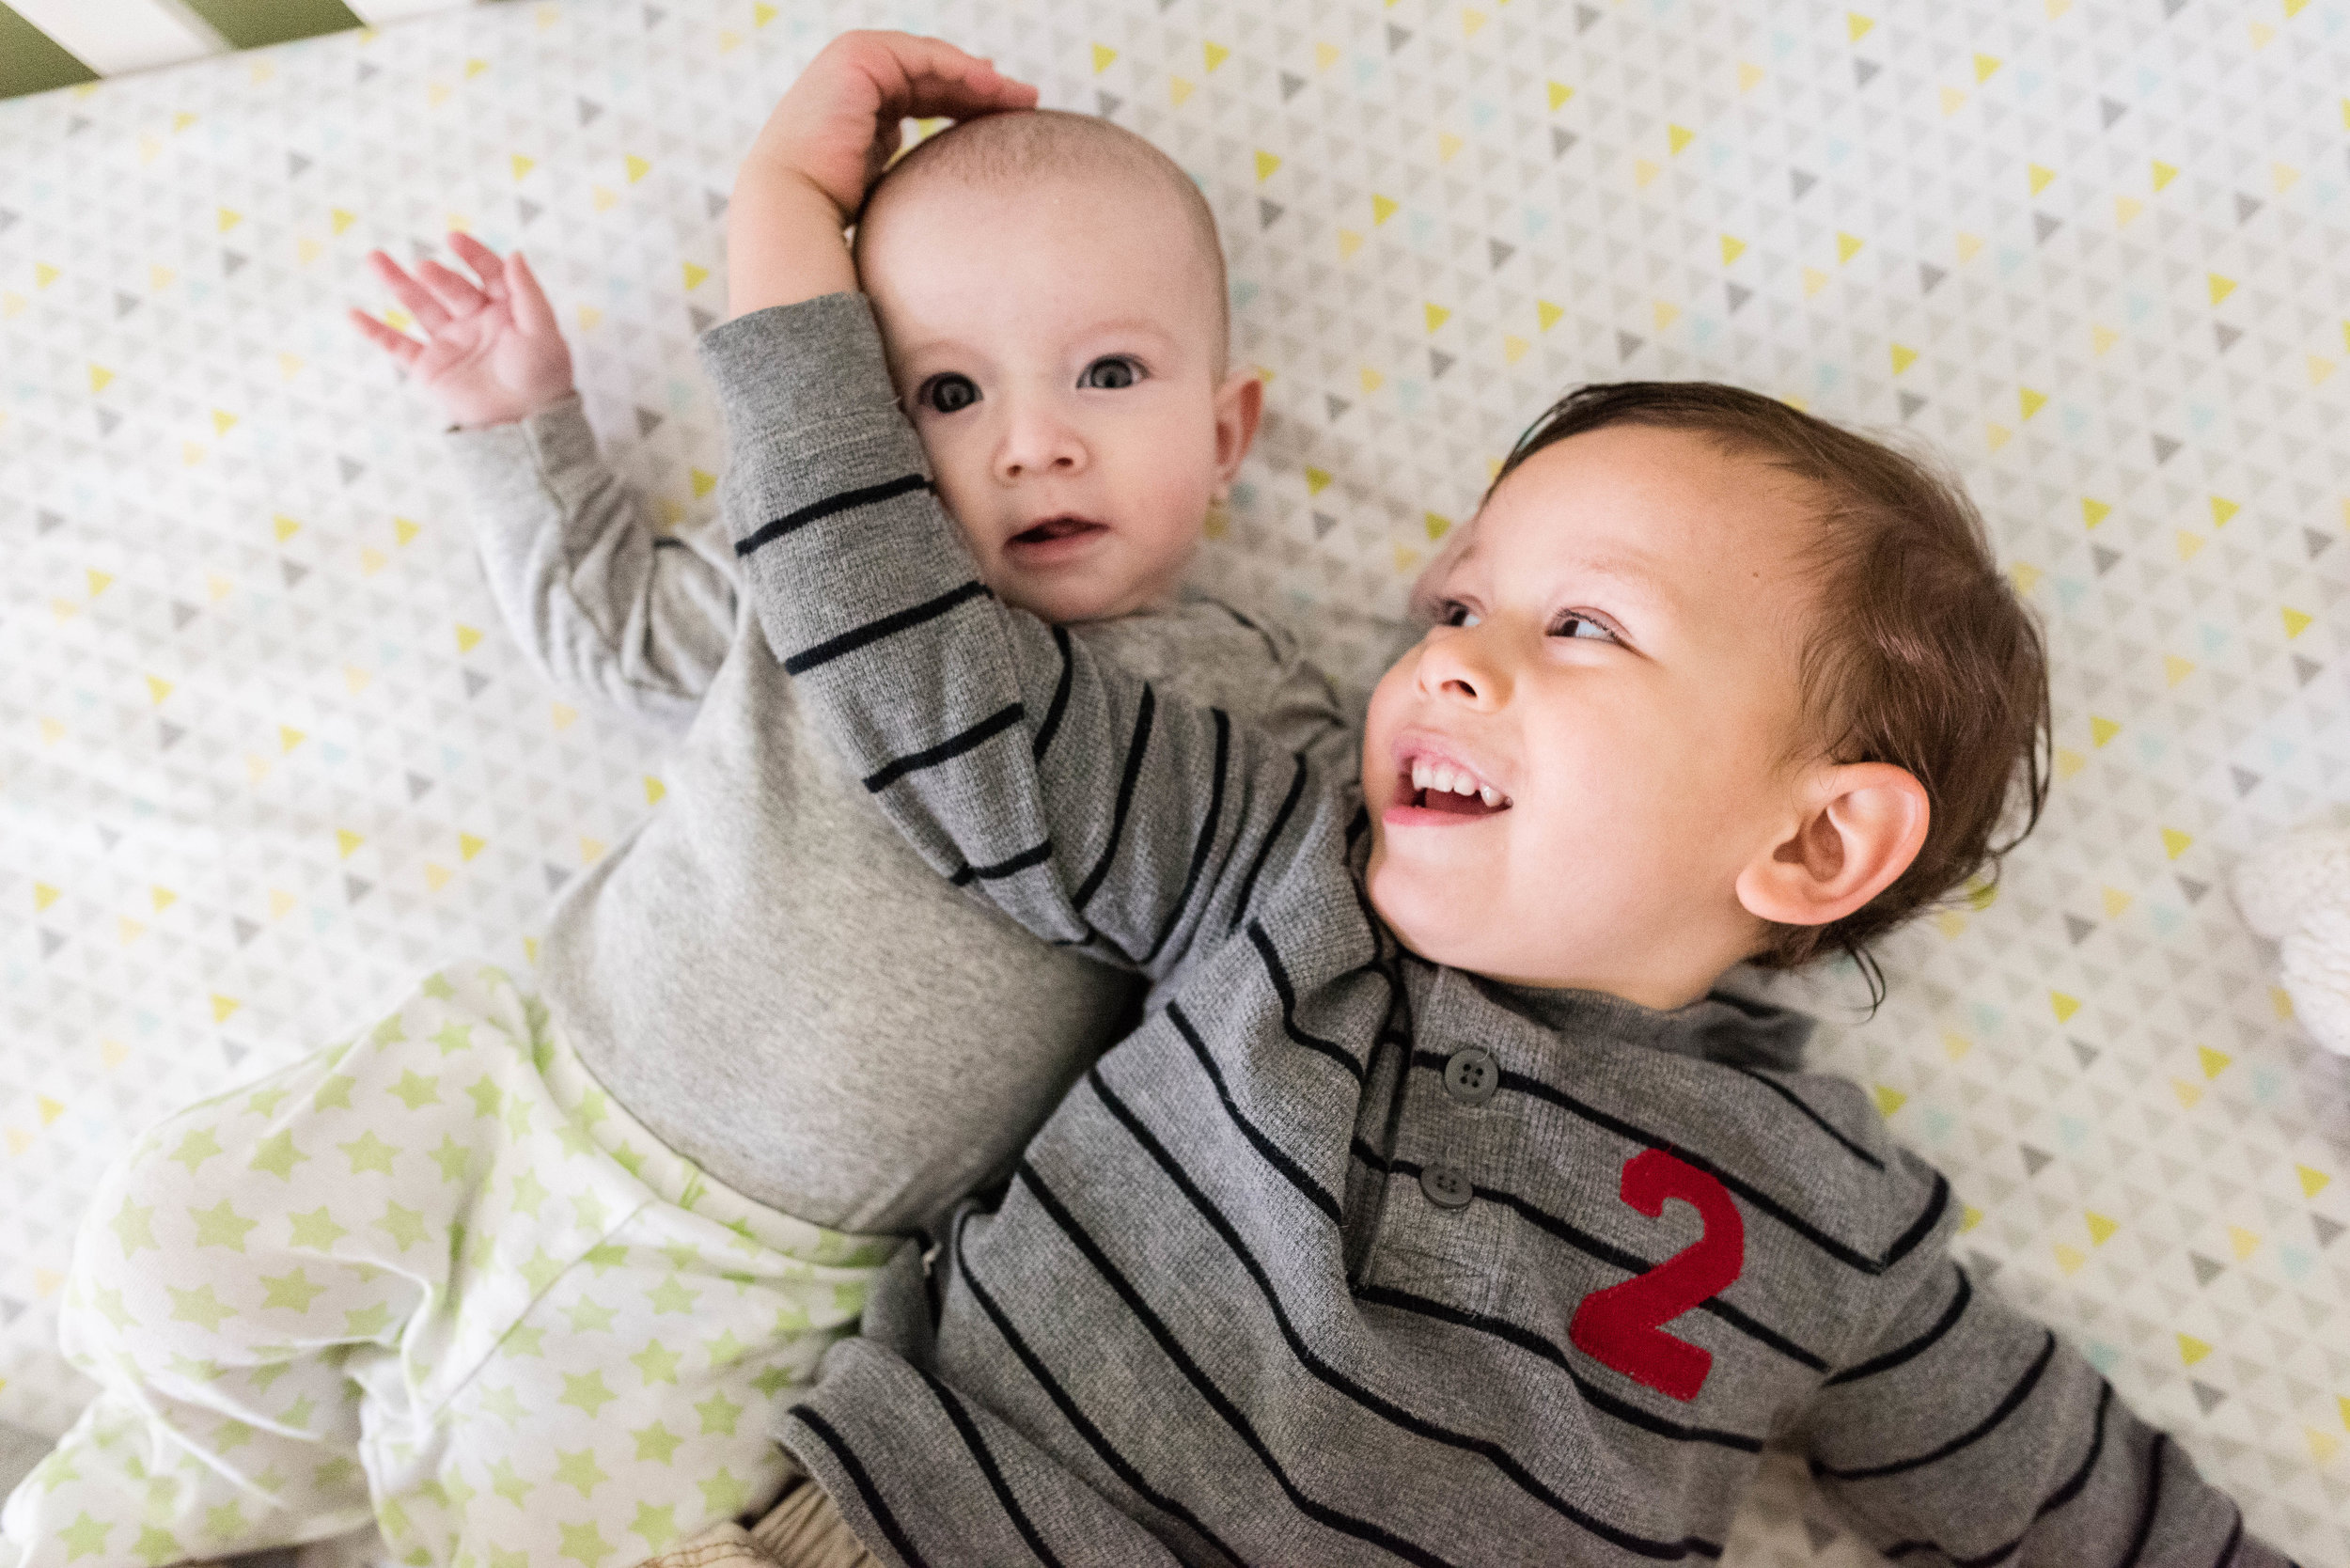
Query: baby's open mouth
1055	529
1441	787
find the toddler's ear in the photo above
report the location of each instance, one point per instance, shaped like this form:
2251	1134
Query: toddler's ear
1239	405
1860	825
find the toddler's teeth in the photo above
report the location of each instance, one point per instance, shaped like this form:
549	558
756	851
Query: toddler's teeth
1419	773
1490	795
1444	777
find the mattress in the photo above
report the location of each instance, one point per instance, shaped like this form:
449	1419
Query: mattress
266	754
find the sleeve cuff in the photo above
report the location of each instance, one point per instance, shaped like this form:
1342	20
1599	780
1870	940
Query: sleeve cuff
791	366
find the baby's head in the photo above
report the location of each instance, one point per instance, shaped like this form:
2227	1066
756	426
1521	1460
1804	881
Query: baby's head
1711	681
1051	295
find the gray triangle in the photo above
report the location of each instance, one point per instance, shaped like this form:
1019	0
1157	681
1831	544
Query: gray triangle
2327	1228
109	836
1108	103
2246	782
653	15
1336	405
1267	212
556	877
2193	889
715	202
368	69
2035	1160
352	468
2205	1395
2164	448
168	734
1501	251
124	304
9	1308
294	571
703	320
1560	141
1738	294
1911	403
1397	37
588	112
1290	86
234	1052
1323	523
181	613
1863	70
1801	181
2087	1054
46	521
2226	334
2317	541
107	420
1982	1264
1928	275
2043	226
247	930
354	889
50	941
475	682
2207	1269
1627	344
230	264
295	163
2245	205
2078	928
7	220
647	420
417	785
2172	7
2111	111
2107	560
1438	363
2305	670
1586	17
524	209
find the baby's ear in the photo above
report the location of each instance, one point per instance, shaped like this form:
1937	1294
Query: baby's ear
1239	405
1857	827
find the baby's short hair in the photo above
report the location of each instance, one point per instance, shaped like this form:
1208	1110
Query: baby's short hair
1921	655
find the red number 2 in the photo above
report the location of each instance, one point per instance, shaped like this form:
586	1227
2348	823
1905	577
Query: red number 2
1619	1325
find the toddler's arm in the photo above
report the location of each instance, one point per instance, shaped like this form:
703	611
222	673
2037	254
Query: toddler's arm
611	611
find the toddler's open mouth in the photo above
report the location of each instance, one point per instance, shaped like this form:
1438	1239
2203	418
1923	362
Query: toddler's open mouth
1440	786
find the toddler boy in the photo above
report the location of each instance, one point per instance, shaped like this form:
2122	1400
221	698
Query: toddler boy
524	1271
1440	1210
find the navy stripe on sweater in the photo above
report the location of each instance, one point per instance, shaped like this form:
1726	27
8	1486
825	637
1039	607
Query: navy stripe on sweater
867	496
945	750
984	1458
885	626
2006	1407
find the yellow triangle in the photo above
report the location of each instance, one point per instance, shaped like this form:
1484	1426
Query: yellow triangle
1326	56
468	845
2312	1182
2281	176
1953	99
341	219
404	530
287	527
2295	622
2101	1230
762	14
1968	1217
2323	1444
1664	313
1968	245
2069	1259
1679	136
704	481
229	220
1316	480
2093	511
50	1109
2069	762
2221	510
2032	401
1985	65
44	895
1266	163
466	637
1749	74
1471	21
2116	902
2221	286
2175	669
1102	56
655	789
2242	1241
437	877
356	679
1436	524
1406	560
2102	730
1856	26
1847	246
2189	1093
1448	146
1178	88
1372	378
2263	34
1437	315
2064	1006
223	1007
1956	1045
1380	209
1549	314
474	68
1732	248
1889	1100
2191	1349
289	737
1559	93
191	451
348	840
694	276
1349	242
2175	841
2188	545
638	168
2041	177
1904	357
2164	173
2281	1001
98	377
1997	436
590	849
99	581
279	902
1514	349
1813	280
2319	369
1644	170
521	165
1216	54
2124	209
604	201
2214	1063
218	586
563	714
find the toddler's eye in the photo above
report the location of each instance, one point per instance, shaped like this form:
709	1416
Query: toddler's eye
949	393
1454	613
1576	624
1111	372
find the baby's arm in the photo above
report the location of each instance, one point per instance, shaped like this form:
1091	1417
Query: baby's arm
1962	1431
609	610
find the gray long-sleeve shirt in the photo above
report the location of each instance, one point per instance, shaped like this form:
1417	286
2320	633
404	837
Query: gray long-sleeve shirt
1343	1257
764	973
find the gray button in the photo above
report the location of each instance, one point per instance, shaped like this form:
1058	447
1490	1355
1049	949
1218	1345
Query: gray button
1472	1075
1446	1187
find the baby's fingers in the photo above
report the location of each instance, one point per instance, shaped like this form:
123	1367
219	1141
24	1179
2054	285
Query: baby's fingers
457	296
532	312
482	260
398	344
412	296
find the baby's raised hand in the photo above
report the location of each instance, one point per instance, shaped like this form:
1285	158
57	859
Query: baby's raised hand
491	353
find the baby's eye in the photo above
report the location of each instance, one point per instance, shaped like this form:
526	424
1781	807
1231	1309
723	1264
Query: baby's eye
949	393
1576	624
1112	372
1453	613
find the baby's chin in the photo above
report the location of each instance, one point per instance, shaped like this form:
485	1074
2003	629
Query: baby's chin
1071	596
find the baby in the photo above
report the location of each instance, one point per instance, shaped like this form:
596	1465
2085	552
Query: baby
1441	1211
526	1270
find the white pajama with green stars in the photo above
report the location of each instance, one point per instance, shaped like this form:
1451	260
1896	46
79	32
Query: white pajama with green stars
434	1278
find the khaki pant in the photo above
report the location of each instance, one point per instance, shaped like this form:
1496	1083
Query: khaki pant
803	1530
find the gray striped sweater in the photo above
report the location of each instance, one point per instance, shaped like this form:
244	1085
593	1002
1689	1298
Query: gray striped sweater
1341	1256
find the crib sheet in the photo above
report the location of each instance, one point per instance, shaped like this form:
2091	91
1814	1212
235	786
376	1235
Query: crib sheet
266	753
